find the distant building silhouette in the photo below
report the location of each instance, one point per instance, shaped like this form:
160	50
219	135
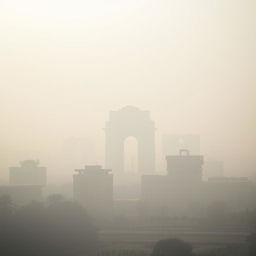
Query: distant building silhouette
213	168
93	188
172	194
182	192
172	143
29	173
130	121
185	167
237	193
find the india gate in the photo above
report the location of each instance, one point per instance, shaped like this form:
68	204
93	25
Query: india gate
130	121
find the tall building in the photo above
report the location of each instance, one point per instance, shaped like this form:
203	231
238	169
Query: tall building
28	173
93	189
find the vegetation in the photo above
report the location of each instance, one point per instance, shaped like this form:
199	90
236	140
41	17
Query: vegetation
62	228
172	247
54	228
124	252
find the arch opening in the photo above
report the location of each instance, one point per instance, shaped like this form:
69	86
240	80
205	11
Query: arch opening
131	155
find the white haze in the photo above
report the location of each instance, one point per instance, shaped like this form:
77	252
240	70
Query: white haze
65	64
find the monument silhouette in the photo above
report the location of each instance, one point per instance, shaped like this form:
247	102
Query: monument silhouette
130	121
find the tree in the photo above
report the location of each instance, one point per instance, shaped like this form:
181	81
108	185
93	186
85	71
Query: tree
172	247
252	244
61	228
6	206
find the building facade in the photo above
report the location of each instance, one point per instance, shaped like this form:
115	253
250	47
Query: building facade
28	173
93	189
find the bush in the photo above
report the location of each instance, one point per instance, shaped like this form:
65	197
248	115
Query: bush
172	247
56	228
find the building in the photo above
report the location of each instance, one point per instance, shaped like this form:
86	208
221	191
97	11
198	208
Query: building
182	192
26	182
177	192
93	188
28	173
236	193
185	168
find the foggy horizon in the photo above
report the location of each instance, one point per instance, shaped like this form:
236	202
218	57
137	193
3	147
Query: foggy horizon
66	65
128	128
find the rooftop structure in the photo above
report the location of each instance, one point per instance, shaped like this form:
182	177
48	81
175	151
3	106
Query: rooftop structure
28	173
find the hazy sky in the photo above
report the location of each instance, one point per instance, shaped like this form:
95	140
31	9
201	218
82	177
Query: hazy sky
65	64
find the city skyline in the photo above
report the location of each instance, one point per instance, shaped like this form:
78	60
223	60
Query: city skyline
64	67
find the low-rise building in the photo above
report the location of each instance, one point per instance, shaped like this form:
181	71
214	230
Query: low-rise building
28	173
182	192
93	188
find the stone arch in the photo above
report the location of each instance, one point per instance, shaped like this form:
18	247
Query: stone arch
130	121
